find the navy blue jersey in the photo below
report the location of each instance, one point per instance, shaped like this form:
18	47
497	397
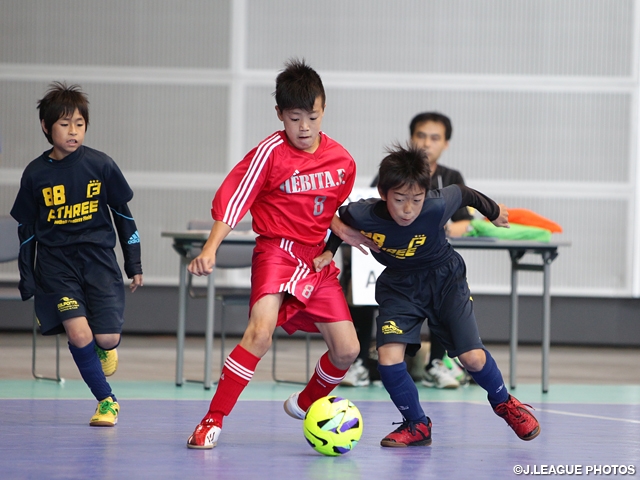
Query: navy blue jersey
67	201
70	202
423	244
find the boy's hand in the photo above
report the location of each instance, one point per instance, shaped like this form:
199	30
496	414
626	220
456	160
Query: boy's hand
503	218
136	282
202	265
27	288
322	260
356	239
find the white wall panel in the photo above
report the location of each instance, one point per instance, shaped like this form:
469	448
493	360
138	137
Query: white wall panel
20	132
161	128
508	136
159	33
503	37
543	97
153	128
8	270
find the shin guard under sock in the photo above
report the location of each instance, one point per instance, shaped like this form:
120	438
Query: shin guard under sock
91	370
236	374
323	381
490	378
402	390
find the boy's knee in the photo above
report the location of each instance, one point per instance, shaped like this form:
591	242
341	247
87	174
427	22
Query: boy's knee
473	360
107	341
344	355
352	352
257	340
79	338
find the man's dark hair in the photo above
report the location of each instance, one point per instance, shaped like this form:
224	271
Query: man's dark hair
298	86
432	117
61	101
404	166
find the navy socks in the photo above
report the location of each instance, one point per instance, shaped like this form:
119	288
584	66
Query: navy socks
402	390
490	378
91	370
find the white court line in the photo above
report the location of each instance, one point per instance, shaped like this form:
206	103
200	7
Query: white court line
586	415
572	414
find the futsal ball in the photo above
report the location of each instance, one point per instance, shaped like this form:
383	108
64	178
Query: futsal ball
333	426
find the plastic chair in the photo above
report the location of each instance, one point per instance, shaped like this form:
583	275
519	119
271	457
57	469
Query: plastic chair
9	251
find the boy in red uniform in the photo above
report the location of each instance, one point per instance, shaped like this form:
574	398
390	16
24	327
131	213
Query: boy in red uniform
292	182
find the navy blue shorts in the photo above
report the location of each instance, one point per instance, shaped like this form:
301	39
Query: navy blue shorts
78	281
440	295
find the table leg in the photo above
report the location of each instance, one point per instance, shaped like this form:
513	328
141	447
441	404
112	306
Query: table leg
308	341
546	319
274	346
58	358
182	314
223	337
513	336
211	300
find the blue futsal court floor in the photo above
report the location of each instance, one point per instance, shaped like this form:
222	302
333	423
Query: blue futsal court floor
44	433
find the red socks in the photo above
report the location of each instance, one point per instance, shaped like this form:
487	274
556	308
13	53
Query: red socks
238	370
236	374
323	381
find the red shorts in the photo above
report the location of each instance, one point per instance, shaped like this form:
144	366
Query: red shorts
281	265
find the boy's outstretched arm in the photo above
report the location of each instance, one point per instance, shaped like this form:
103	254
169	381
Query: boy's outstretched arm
497	214
203	264
341	231
352	236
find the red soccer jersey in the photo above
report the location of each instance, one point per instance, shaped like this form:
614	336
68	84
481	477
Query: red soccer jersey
291	194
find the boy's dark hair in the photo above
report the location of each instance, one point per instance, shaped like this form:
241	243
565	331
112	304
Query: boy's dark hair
60	101
404	166
298	86
432	117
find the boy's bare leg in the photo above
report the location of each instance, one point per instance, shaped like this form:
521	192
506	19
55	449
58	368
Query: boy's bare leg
342	341
78	331
107	341
258	335
473	360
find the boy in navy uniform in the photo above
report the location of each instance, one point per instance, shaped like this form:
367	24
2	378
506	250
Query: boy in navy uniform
424	278
431	132
64	208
